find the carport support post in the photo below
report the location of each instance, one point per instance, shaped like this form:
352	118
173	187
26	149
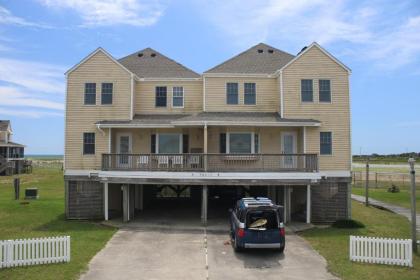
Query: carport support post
308	204
204	201
106	201
126	202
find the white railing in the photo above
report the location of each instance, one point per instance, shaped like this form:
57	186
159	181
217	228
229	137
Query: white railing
381	250
22	252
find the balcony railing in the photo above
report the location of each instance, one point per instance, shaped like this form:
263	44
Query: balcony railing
211	162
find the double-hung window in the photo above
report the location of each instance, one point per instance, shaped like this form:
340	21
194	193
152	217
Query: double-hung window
88	143
232	97
250	94
325	140
160	94
306	88
106	94
90	94
324	91
178	97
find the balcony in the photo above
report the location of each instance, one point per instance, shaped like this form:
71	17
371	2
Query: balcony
211	162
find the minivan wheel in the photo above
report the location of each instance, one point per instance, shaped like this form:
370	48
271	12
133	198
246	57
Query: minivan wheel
281	249
236	247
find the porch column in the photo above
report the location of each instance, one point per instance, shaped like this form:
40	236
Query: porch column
126	203
308	204
285	204
204	206
205	147
106	201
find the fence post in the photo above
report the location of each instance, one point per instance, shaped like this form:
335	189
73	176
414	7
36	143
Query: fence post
411	161
367	183
376	179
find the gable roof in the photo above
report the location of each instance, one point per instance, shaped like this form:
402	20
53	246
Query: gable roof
259	59
315	44
149	63
92	54
4	125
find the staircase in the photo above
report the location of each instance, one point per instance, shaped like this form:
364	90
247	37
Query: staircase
4	164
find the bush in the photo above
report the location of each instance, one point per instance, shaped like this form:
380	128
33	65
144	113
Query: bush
348	224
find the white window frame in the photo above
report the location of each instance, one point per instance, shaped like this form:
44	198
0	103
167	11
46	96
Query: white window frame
173	96
255	104
319	92
112	94
180	141
130	142
238	94
245	132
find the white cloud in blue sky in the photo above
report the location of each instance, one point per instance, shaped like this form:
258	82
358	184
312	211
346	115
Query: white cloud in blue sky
378	40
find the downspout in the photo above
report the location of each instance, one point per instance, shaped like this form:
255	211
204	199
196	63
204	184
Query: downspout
132	97
98	126
281	95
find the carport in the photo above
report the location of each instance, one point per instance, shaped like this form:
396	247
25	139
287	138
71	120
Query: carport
198	202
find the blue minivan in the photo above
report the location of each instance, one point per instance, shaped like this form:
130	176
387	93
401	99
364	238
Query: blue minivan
257	223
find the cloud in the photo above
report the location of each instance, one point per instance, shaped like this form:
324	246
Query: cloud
408	124
28	113
7	18
31	89
112	12
386	34
34	76
13	96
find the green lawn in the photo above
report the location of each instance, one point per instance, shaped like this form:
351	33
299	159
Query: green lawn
333	244
43	218
401	199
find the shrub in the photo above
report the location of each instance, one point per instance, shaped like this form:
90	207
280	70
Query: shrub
345	223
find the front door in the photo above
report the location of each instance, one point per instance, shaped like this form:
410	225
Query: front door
288	146
123	148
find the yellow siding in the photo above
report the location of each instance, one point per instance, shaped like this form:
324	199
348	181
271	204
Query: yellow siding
145	97
267	91
82	118
335	116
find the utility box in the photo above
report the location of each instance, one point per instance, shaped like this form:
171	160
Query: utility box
31	193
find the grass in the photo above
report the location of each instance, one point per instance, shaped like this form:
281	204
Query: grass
45	217
333	243
380	193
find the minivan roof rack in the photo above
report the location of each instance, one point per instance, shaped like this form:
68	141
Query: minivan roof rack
256	202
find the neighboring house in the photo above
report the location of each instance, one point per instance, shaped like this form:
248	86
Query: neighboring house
11	154
263	123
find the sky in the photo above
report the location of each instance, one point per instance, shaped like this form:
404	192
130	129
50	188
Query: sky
378	40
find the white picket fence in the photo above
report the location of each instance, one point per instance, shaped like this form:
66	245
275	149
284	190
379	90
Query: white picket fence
22	252
381	250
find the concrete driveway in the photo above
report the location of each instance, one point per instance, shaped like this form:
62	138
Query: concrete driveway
195	253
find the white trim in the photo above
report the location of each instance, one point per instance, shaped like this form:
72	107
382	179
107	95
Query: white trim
132	97
204	94
65	124
315	44
281	96
228	123
135	125
241	132
239	75
294	134
157	79
197	175
335	173
110	140
256	94
92	54
183	97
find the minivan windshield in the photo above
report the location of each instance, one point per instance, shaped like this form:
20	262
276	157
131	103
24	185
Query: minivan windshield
262	219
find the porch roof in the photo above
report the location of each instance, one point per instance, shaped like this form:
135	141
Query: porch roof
209	119
11	144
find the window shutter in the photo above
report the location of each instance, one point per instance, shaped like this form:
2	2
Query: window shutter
222	143
153	143
185	143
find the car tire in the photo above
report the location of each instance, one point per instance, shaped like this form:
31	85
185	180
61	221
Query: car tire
281	250
236	247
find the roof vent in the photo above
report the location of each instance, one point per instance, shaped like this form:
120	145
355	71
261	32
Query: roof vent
270	51
153	55
140	54
304	48
260	50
